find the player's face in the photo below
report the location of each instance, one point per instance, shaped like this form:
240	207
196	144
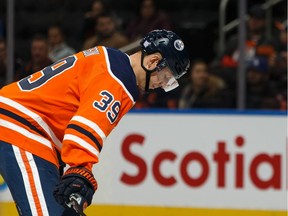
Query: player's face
163	79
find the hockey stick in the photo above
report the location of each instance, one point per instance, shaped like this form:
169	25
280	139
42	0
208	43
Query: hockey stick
76	201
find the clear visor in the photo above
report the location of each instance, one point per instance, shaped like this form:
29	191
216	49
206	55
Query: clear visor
168	81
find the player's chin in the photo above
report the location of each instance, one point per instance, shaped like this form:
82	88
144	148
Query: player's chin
155	86
141	89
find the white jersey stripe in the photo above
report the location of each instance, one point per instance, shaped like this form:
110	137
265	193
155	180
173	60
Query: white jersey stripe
118	80
26	180
38	185
91	125
25	132
82	143
34	116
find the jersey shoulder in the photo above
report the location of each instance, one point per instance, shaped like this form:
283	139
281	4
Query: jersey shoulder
119	66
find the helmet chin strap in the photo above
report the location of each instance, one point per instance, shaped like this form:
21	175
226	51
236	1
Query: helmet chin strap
148	72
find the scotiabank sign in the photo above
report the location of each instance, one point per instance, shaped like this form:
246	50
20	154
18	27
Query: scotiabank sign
197	161
221	158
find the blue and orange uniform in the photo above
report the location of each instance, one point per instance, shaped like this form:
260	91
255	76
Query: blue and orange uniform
69	108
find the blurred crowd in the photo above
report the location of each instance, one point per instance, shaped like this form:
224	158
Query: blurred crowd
210	84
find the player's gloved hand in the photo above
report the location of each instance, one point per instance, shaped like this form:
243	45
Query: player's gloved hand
76	180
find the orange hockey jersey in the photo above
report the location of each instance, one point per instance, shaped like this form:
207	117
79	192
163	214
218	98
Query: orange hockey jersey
70	106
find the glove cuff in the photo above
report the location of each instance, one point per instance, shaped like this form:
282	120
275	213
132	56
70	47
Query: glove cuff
83	173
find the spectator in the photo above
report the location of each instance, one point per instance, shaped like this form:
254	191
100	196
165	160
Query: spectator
204	89
39	56
3	62
106	33
281	54
97	7
256	41
2	28
149	17
278	70
58	48
259	92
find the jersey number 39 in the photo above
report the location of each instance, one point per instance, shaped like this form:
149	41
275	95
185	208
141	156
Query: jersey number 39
40	78
104	105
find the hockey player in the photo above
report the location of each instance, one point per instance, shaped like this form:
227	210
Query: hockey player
65	112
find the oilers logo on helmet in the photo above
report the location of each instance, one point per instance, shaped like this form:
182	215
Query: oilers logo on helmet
179	45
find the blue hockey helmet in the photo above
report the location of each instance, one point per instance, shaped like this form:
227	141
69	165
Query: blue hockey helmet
175	55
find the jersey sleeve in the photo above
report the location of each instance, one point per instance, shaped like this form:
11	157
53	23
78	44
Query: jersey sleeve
102	105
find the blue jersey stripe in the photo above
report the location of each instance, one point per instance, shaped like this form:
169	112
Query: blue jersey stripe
21	120
121	68
86	133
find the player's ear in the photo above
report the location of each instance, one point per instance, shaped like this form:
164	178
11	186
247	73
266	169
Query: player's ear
153	60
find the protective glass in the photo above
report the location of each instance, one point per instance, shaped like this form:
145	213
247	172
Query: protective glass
165	76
